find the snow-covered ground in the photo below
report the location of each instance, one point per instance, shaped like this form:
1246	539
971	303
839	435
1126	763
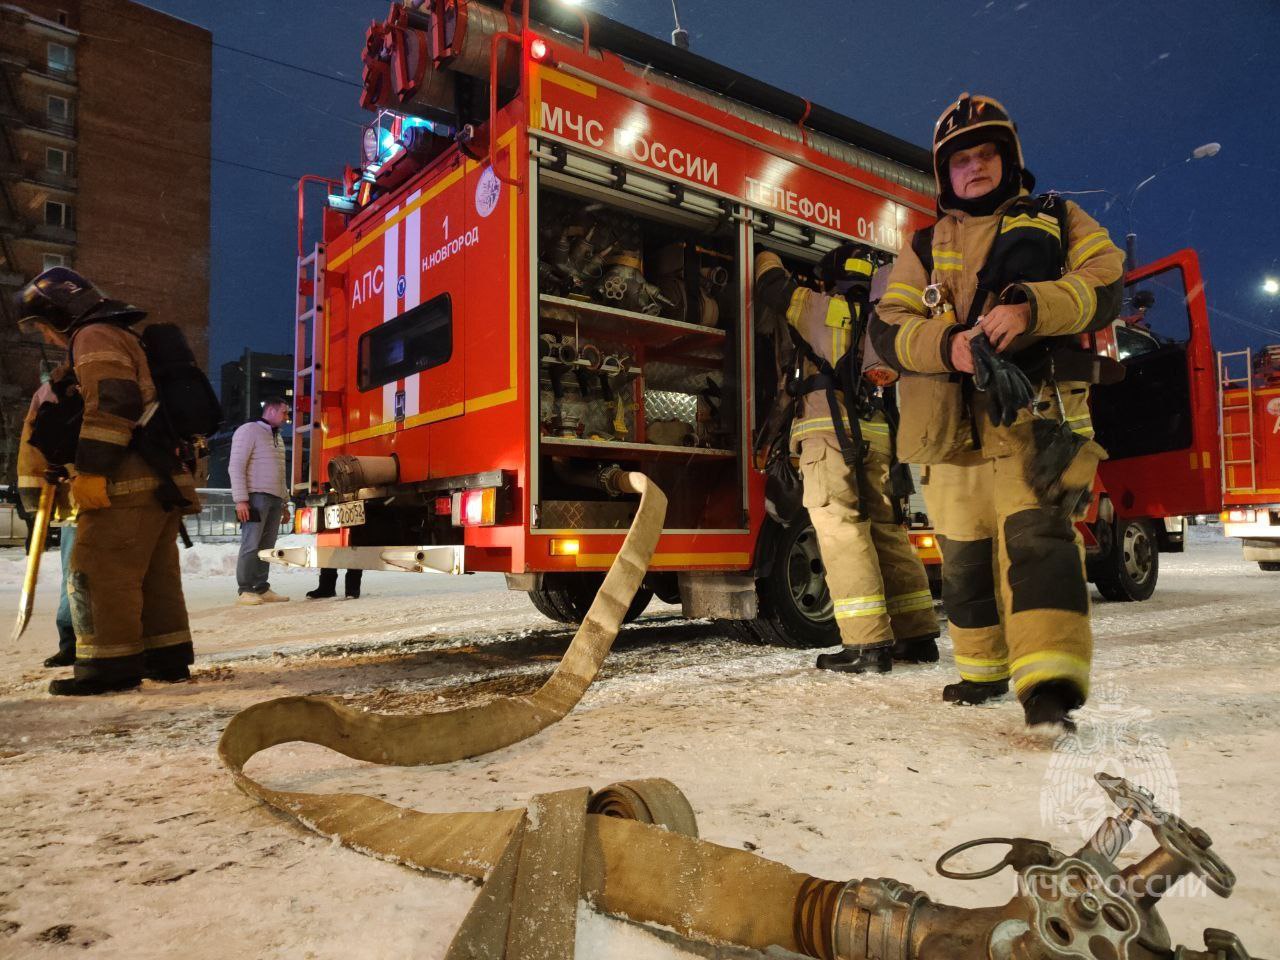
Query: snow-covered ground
121	833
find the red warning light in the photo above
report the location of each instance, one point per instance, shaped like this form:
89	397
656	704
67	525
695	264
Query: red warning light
539	50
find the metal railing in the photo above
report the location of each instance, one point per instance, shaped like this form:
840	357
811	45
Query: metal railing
216	522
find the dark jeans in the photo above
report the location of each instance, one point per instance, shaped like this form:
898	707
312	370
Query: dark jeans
260	534
66	631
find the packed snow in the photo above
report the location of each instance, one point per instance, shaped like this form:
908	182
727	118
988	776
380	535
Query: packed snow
124	835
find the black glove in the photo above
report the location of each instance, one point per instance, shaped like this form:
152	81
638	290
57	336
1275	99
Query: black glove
1007	387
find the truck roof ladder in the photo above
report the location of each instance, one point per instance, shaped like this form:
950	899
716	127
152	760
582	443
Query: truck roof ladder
308	333
1232	463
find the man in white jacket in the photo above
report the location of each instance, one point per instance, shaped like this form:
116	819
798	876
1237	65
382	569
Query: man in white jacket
258	486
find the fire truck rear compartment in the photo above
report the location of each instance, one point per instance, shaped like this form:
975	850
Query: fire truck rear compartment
638	332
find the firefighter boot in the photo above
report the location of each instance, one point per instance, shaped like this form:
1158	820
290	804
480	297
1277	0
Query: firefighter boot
972	692
169	673
91	686
1051	702
858	660
916	649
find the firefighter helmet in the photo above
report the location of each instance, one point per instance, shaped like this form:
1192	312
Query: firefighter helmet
971	120
848	265
63	299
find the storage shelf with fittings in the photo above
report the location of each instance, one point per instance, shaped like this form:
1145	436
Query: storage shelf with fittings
593	319
622	450
638	339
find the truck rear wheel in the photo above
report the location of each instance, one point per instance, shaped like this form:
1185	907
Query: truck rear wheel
1129	568
566	597
1271	566
795	604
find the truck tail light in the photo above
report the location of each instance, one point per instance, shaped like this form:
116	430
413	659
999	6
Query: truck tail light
476	508
304	520
1238	516
925	541
564	548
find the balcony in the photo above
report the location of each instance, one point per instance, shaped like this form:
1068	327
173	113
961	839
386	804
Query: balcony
55	74
50	234
44	178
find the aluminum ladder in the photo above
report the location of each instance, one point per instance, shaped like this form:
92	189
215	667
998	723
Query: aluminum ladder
308	333
1227	382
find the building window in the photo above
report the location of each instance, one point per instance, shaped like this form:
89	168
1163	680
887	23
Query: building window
64	18
55	160
417	340
59	109
52	260
58	214
61	58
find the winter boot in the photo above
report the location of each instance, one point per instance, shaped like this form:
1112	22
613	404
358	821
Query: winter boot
1051	702
61	659
916	649
969	692
91	686
851	660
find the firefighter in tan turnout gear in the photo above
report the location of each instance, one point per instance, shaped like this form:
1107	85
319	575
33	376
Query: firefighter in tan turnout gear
982	317
125	584
878	585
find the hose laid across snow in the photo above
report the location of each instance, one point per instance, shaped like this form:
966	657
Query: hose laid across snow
537	863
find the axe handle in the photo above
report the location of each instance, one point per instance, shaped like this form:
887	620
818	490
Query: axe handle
39	533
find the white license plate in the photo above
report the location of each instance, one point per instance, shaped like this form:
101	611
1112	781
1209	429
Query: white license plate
344	515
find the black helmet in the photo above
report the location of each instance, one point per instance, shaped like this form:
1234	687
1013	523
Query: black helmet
971	120
847	267
63	299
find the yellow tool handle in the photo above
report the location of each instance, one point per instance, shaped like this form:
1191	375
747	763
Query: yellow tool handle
39	533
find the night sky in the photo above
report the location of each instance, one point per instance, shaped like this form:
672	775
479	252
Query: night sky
1104	94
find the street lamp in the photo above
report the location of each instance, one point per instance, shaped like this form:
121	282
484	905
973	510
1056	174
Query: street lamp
1271	286
1201	152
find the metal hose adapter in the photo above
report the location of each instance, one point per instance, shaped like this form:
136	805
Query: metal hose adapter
1078	906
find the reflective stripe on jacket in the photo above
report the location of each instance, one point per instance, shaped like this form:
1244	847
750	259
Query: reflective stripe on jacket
935	424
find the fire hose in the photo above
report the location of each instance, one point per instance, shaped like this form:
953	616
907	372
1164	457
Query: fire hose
632	849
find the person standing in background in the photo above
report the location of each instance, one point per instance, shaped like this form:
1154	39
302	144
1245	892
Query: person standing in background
258	486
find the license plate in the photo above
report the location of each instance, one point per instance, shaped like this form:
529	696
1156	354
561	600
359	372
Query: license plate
344	515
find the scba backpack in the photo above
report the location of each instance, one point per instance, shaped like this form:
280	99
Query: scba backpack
188	410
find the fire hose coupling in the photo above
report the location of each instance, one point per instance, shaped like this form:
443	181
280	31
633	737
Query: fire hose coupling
874	919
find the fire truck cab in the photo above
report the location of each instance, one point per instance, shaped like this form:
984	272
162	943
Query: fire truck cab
1158	425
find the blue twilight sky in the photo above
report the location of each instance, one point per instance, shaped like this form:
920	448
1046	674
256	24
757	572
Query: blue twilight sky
1104	93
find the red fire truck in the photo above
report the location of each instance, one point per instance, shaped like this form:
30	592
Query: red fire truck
1250	419
540	274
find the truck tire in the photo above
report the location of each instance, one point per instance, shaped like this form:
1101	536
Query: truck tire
1271	566
1130	567
795	605
566	597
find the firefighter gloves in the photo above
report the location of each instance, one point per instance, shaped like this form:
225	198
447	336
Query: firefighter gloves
1007	388
90	492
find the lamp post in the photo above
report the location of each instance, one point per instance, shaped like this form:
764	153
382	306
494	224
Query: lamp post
1131	239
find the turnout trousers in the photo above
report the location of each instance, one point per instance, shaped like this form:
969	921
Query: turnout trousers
1013	581
878	585
126	592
